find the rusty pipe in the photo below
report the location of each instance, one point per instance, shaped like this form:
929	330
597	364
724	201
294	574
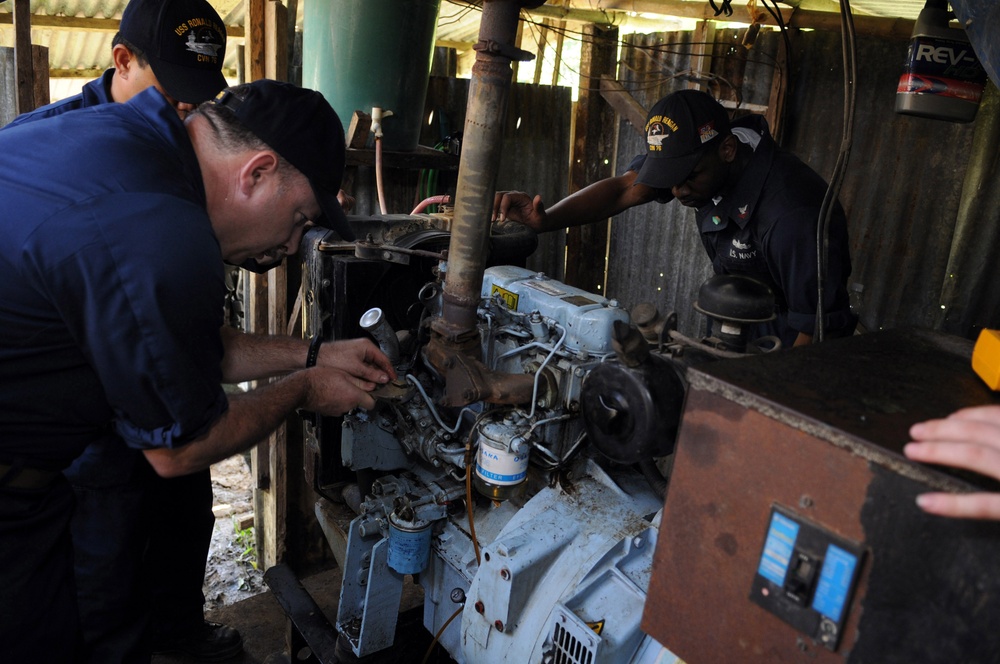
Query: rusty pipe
481	147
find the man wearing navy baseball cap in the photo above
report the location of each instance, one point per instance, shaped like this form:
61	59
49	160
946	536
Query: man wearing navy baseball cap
175	46
756	207
111	315
178	48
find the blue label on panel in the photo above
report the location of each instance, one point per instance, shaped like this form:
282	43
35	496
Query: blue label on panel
778	548
834	582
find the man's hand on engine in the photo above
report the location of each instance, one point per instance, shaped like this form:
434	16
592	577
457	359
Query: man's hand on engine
333	392
520	207
359	358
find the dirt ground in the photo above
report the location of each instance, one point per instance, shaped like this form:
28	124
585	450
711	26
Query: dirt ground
231	575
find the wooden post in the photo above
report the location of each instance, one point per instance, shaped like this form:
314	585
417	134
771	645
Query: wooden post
593	156
560	36
24	74
275	41
9	88
517	43
267	308
253	30
701	52
540	53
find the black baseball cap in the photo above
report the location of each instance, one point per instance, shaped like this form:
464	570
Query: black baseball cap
184	42
301	126
679	127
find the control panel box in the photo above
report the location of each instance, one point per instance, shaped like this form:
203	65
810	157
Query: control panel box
790	530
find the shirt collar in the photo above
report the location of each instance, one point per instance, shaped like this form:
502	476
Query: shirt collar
741	203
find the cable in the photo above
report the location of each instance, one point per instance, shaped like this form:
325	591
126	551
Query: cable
849	47
437	636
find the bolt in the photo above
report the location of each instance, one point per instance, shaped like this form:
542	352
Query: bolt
480	608
805	501
499	625
458	596
637	542
505	575
469	395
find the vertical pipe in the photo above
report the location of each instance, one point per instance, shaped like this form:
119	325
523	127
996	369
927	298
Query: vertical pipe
481	147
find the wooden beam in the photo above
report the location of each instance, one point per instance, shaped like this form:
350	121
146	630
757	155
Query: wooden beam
540	52
593	154
276	41
701	53
84	24
24	74
255	48
624	104
561	32
517	44
616	12
92	73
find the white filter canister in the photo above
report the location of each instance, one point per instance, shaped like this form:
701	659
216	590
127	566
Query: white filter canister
501	466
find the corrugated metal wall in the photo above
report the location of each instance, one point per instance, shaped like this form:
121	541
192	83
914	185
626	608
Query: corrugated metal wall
903	192
535	155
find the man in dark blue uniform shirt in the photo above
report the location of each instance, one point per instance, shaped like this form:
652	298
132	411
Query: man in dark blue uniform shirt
757	208
141	542
112	305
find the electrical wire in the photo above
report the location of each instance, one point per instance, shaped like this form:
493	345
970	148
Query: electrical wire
849	48
437	636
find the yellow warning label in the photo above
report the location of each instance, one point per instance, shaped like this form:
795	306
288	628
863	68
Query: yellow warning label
597	626
510	299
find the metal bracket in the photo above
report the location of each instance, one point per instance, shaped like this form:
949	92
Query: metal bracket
308	626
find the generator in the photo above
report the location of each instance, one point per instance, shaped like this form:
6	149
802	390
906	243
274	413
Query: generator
652	497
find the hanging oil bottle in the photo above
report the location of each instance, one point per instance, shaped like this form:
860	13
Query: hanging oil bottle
942	79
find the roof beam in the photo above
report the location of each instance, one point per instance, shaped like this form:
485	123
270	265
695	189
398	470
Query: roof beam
41	21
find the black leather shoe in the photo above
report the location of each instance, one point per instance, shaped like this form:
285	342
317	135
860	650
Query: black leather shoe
213	642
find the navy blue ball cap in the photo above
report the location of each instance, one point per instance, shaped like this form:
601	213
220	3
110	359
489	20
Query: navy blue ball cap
301	126
184	42
679	127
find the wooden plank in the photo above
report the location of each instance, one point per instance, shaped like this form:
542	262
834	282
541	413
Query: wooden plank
40	66
82	23
517	44
561	32
357	132
593	155
24	75
624	104
274	519
540	52
254	27
701	54
775	112
275	41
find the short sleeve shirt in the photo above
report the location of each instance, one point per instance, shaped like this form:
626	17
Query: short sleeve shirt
765	227
113	289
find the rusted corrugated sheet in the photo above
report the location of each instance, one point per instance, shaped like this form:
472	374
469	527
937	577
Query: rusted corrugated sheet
903	190
903	187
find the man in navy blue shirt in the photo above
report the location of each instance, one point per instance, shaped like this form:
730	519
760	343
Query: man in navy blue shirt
112	305
757	208
127	569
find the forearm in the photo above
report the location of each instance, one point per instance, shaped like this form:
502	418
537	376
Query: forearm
258	356
596	202
249	419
